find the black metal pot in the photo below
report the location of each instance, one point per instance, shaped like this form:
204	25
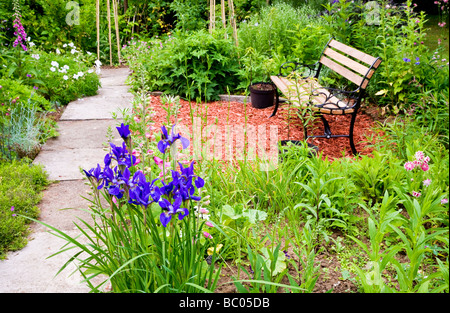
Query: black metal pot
262	95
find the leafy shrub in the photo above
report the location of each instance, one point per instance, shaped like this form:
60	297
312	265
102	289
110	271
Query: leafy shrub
197	66
273	30
20	191
13	92
65	76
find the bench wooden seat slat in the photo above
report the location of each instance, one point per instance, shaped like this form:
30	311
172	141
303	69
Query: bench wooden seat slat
353	65
331	106
351	76
343	60
366	58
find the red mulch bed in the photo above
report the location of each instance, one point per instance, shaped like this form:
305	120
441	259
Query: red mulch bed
223	113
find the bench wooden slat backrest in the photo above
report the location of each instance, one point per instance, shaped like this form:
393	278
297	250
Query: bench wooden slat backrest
346	61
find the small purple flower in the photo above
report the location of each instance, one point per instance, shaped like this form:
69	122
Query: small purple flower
417	59
406	60
12	210
444	201
29	75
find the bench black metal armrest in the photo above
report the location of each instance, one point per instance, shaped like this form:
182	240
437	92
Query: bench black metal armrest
292	66
350	98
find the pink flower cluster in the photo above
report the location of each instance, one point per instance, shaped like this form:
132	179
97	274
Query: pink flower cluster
20	33
420	161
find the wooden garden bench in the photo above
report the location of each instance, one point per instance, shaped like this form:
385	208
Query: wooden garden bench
303	89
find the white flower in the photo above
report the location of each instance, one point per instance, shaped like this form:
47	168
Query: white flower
65	77
75	76
55	64
52	69
66	67
57	51
71	44
88	53
64	45
35	56
98	63
80	74
31	44
90	71
29	38
73	51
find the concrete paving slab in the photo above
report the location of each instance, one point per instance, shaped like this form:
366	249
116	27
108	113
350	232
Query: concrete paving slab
97	107
90	134
114	77
63	204
65	164
31	271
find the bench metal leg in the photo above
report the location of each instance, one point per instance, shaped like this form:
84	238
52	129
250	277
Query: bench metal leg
277	103
352	124
326	126
327	133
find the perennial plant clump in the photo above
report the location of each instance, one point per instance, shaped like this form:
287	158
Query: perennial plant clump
150	206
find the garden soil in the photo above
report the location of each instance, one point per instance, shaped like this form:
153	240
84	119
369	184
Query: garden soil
83	128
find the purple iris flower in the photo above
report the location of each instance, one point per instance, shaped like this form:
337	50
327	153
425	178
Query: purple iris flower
144	194
113	182
188	174
121	155
95	172
170	209
127	180
124	131
167	140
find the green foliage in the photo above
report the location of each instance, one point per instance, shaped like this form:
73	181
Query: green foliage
190	15
272	30
21	184
195	66
13	93
66	76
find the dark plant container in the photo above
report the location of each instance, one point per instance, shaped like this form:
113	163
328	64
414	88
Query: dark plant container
262	95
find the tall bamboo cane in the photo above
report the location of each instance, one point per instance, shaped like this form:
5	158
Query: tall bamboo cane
108	12
233	20
116	24
98	29
212	15
224	20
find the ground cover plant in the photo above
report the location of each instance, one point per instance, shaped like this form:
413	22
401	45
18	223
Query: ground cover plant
21	185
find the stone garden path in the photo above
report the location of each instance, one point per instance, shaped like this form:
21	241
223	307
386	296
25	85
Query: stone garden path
82	127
